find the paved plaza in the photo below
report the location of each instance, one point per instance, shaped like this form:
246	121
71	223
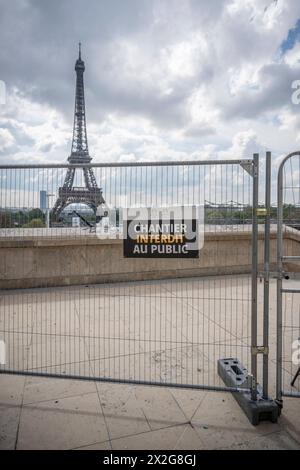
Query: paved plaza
167	331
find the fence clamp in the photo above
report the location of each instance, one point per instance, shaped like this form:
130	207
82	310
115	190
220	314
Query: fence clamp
247	165
260	350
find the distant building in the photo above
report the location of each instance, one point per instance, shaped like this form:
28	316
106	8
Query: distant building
43	201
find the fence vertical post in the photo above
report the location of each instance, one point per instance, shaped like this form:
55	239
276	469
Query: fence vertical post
254	275
266	277
279	285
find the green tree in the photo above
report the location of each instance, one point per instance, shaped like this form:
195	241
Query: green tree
34	223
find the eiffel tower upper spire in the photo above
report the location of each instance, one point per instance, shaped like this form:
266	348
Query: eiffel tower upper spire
79	150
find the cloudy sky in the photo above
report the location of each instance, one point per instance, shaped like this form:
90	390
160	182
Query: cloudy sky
165	79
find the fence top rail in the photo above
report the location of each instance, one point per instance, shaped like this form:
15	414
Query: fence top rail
129	164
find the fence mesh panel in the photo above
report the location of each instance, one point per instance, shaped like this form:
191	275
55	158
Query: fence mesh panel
165	331
291	288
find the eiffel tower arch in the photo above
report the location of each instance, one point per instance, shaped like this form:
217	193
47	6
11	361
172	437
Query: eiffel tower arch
89	194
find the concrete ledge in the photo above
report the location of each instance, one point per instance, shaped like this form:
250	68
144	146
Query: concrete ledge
117	277
48	262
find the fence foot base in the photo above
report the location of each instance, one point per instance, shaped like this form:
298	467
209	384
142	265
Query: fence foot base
234	374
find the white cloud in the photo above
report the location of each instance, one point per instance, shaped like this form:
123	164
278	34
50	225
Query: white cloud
292	57
34	132
164	79
244	145
6	139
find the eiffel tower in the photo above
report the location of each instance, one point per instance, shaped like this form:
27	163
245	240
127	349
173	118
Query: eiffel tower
90	194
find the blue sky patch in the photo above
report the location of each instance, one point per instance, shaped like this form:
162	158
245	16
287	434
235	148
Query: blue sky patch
292	37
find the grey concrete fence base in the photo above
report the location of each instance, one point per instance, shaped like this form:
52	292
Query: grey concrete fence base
234	374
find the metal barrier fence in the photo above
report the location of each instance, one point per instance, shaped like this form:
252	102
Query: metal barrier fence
288	283
170	331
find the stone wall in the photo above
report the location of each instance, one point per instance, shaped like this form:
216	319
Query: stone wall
44	262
